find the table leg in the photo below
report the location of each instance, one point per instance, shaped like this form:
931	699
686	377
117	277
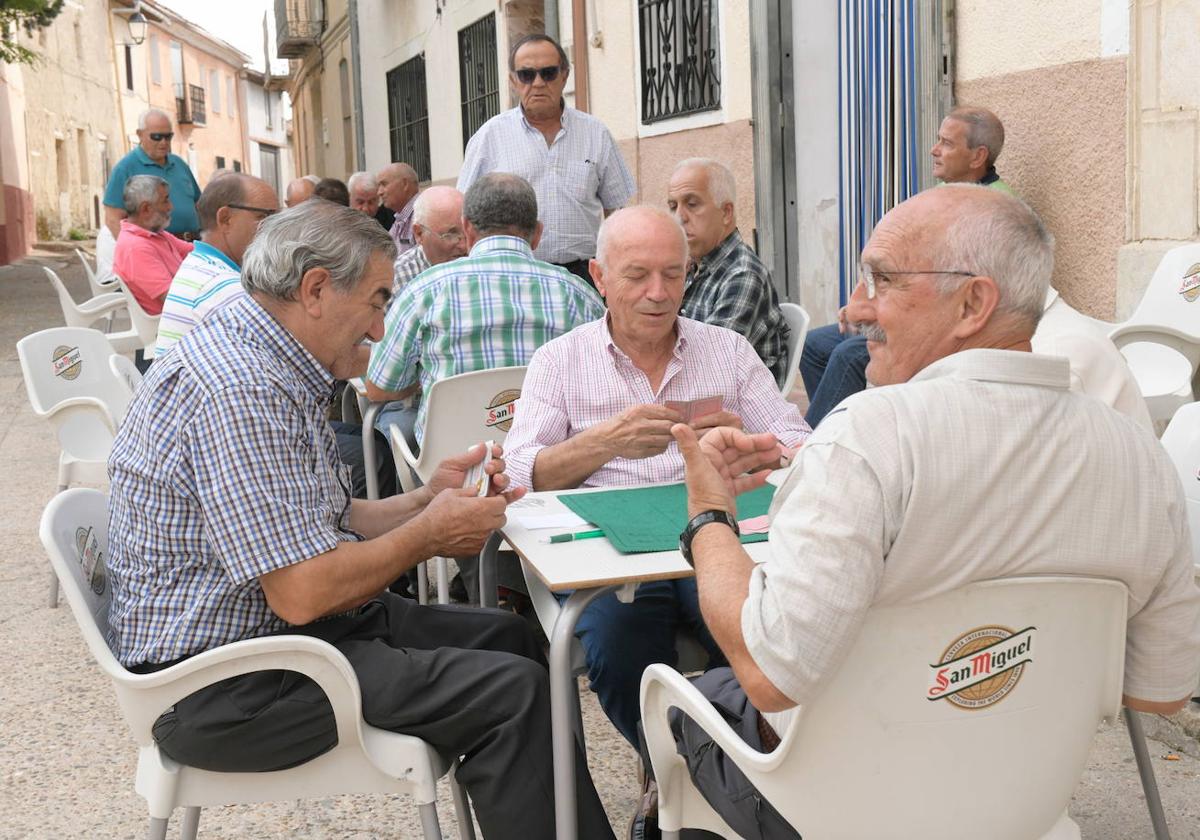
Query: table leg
562	689
368	440
487	563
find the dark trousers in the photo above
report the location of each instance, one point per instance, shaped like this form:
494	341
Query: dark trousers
349	443
718	779
470	682
833	366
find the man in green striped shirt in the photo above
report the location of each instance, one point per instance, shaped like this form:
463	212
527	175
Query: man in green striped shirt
489	309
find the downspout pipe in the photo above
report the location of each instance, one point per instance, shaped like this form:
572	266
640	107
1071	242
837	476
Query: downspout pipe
550	13
580	37
360	135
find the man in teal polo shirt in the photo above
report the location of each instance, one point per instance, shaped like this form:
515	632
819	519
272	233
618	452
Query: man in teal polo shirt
152	156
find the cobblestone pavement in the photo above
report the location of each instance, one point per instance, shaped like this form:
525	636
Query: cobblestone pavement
67	761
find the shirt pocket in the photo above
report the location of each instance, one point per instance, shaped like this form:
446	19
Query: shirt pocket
581	180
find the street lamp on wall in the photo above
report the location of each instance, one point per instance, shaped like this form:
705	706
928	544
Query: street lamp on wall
136	23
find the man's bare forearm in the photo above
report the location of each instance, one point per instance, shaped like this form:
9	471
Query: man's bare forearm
373	518
568	464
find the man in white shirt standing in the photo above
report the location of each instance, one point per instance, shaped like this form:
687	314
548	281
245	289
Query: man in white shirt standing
971	460
568	156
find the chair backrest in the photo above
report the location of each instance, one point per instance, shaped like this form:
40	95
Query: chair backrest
987	694
66	363
144	324
70	309
467	409
74	532
1171	302
126	372
797	320
1182	442
98	288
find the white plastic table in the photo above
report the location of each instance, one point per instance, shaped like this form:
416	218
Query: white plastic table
587	569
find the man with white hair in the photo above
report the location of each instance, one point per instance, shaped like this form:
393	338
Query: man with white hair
300	190
147	256
972	460
231	520
398	187
727	284
594	412
364	197
152	156
438	231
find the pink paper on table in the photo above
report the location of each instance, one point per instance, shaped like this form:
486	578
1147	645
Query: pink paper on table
755	525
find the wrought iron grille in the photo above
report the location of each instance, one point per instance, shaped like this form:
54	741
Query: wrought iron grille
196	110
298	26
408	115
681	63
479	78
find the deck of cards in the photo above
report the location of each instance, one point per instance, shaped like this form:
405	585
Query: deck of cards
695	409
477	477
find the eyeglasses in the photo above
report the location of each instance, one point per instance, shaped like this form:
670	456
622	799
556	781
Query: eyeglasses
159	136
526	75
872	279
263	210
452	236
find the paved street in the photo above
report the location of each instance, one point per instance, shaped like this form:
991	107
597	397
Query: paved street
67	759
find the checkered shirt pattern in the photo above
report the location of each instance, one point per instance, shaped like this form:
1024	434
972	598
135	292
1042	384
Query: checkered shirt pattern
225	469
492	308
730	287
401	231
406	267
583	378
576	177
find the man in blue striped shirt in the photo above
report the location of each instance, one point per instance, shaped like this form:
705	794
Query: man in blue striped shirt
231	518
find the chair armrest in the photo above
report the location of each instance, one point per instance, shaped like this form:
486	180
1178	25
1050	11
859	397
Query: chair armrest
104	303
144	697
62	411
1127	332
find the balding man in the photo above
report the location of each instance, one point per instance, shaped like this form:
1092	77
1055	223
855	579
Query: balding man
971	461
364	197
300	190
398	188
438	231
594	413
727	284
231	209
152	156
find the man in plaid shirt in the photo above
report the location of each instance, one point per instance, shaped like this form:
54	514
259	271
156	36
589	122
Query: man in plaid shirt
231	518
727	284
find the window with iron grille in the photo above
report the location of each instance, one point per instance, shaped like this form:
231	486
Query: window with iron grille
408	115
681	58
478	75
197	112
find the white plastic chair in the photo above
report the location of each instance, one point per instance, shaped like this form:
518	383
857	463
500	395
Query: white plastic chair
797	320
74	531
144	324
1161	340
70	384
126	372
874	756
98	287
103	306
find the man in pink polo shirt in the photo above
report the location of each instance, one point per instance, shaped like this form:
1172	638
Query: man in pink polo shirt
146	256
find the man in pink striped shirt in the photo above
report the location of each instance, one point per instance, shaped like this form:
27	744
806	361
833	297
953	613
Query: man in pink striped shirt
593	412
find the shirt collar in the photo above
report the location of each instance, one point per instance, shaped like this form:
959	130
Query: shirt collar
719	254
495	244
202	247
138	230
288	349
989	177
683	330
562	119
1009	366
149	161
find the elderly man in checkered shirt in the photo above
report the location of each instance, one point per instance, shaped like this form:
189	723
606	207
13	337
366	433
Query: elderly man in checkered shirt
231	518
727	284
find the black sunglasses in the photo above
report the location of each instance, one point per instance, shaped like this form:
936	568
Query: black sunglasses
526	75
264	210
159	136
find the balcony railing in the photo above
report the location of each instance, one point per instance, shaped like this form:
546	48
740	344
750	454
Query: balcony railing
296	27
190	109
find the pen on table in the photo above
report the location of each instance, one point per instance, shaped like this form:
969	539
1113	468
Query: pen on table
578	535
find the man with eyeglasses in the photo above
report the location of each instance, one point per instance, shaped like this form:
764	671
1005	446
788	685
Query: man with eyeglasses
438	231
231	208
152	156
568	156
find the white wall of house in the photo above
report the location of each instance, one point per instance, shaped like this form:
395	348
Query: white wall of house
266	126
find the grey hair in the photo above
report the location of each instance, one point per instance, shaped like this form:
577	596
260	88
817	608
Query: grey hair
605	235
313	234
721	184
366	180
140	189
501	202
428	200
983	129
151	112
1004	239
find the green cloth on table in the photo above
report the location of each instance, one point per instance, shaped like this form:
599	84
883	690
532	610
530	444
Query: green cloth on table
642	519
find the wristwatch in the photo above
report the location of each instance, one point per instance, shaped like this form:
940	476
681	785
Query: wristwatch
698	522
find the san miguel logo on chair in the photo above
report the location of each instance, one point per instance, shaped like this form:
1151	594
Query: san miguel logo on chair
1190	288
91	558
67	362
981	667
501	408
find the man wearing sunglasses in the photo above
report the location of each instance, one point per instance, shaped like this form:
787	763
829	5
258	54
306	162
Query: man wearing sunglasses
152	156
231	209
569	157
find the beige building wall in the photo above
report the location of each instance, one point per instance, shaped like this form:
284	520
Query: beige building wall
72	128
1058	83
322	106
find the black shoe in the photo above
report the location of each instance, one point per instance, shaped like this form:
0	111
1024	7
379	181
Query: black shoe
644	825
458	590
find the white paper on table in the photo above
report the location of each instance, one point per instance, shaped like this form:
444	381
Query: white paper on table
535	521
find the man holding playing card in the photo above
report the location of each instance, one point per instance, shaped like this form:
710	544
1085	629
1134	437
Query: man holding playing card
597	408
